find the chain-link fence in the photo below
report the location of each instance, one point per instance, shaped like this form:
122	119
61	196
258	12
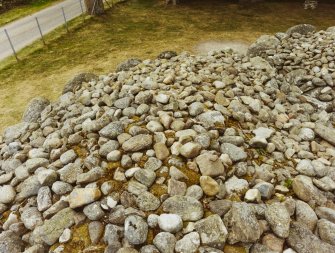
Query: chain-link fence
23	32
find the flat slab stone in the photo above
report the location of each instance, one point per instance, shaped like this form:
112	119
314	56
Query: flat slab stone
52	229
83	196
10	242
302	240
235	153
137	143
242	224
188	208
326	133
212	231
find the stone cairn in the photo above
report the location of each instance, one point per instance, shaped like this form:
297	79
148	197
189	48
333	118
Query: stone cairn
183	153
310	4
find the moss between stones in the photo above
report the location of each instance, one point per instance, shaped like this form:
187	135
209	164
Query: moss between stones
80	241
81	152
234	249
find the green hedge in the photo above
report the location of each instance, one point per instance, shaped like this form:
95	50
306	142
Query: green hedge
9	4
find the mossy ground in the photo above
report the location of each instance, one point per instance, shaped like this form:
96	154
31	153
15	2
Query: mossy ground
24	10
138	28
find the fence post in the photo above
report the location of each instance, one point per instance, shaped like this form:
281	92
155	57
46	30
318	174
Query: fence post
67	28
82	9
39	28
11	44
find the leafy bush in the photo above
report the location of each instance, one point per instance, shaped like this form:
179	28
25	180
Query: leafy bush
9	4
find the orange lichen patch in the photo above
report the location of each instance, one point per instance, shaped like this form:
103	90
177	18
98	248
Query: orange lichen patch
232	123
143	160
80	152
152	232
261	151
235	198
150	237
234	249
4	216
126	130
220	126
109	175
135	118
117	186
249	178
111	166
207	213
170	134
80	240
135	122
193	177
248	136
158	190
164	174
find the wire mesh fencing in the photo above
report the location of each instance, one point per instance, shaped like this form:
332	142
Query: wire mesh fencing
23	32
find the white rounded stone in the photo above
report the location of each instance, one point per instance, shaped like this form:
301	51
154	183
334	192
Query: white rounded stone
252	195
7	194
170	222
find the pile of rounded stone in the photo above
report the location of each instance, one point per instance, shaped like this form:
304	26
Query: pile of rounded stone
217	153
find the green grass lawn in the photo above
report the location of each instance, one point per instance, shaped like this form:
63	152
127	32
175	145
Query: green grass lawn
24	10
138	28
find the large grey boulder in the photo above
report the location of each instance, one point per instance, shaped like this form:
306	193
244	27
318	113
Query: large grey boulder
242	224
135	230
10	242
326	213
210	165
52	229
305	214
7	194
128	64
28	188
31	217
326	230
262	44
279	219
211	119
165	242
304	188
331	29
188	208
261	64
34	109
326	133
189	243
302	29
167	55
302	240
212	231
146	201
235	153
112	130
15	132
137	143
76	82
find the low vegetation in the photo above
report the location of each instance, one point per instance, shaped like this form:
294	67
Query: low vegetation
138	28
19	9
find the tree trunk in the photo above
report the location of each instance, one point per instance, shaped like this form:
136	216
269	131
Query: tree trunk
174	2
95	7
